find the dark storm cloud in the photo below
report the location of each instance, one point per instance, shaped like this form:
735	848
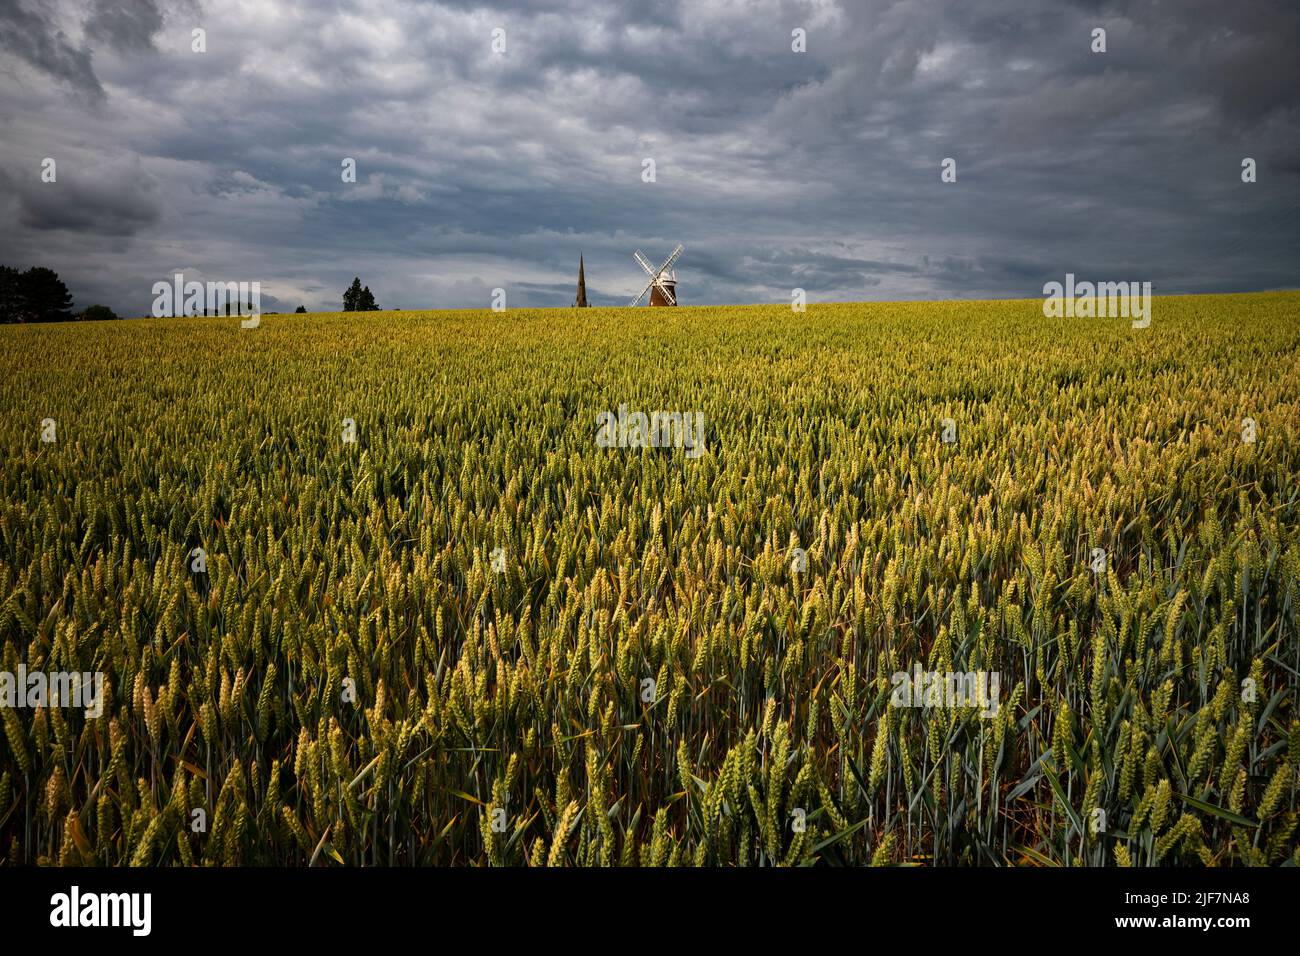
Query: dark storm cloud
777	170
126	25
1243	53
112	200
27	31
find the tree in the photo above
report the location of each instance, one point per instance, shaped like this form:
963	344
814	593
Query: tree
11	298
358	299
37	295
47	297
301	308
98	313
352	296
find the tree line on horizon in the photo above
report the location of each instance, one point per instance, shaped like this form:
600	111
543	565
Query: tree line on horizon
39	295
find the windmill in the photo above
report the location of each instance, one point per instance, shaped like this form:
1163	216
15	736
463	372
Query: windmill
663	281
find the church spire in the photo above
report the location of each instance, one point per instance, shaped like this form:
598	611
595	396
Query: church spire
581	301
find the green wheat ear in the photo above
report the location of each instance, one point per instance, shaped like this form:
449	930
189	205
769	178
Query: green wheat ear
884	852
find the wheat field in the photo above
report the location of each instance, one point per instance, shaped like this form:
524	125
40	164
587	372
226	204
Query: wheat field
455	629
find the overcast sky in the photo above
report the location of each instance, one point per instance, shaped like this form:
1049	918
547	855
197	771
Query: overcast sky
776	169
